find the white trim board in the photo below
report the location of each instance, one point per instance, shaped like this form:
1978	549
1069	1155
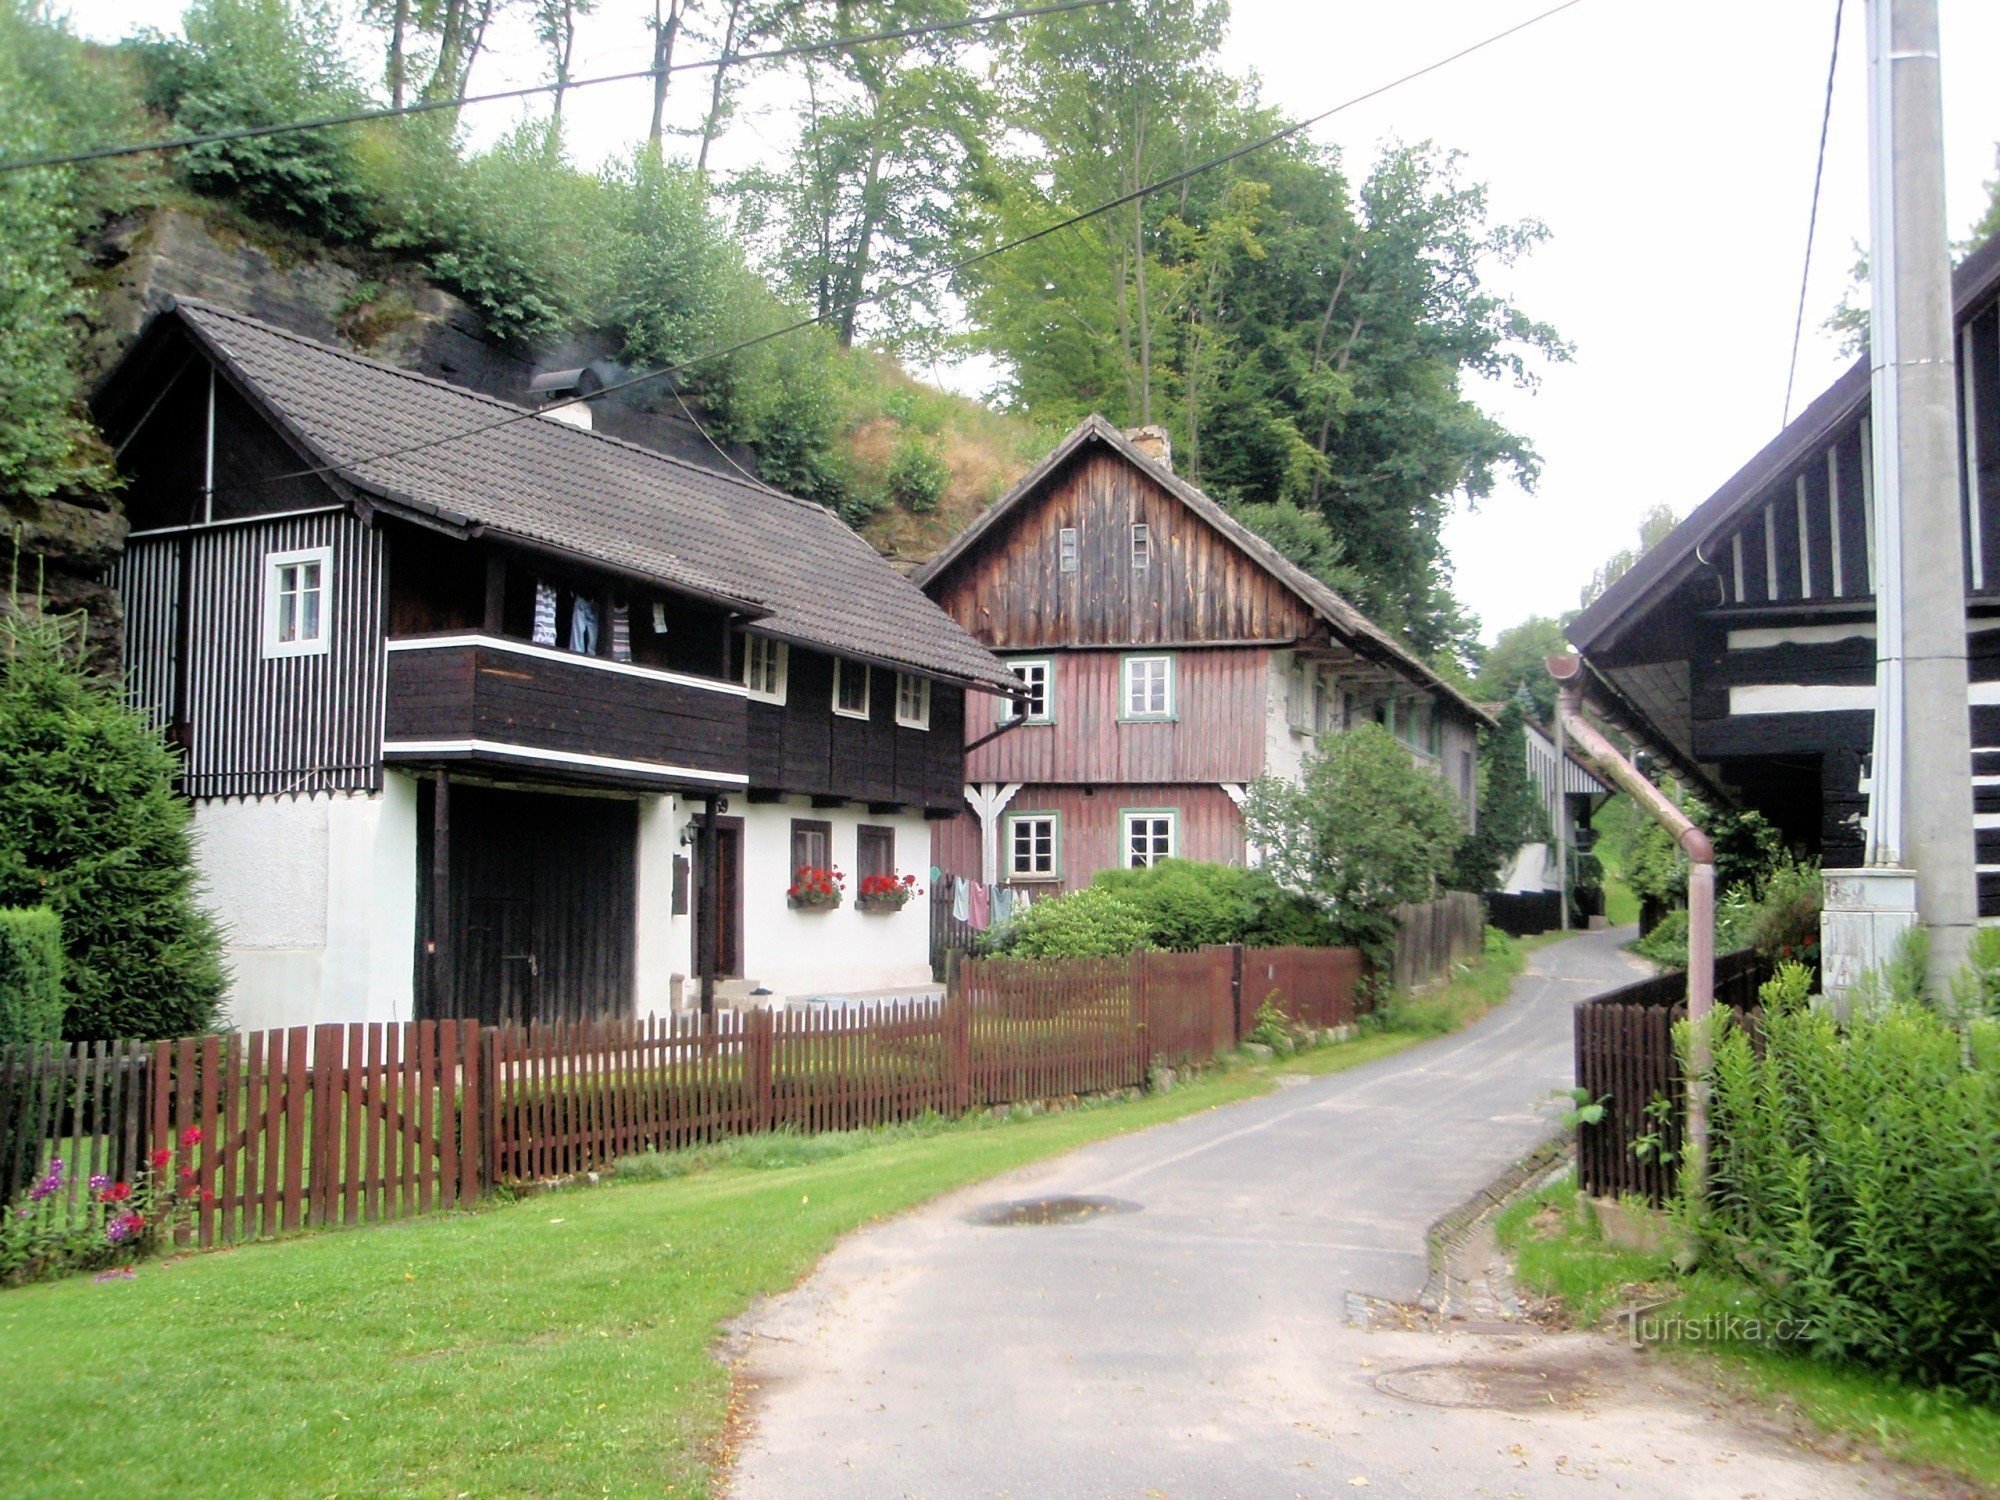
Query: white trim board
1818	698
569	658
560	757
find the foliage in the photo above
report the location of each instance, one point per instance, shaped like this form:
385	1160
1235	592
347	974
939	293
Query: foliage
886	892
1091	923
816	889
918	474
1472	990
1307	538
1786	924
264	62
1654	528
1789	989
1855	1180
1975	990
1362	832
1511	813
113	1222
31	975
90	827
1516	663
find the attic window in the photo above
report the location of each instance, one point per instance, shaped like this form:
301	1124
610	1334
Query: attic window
1142	546
1066	549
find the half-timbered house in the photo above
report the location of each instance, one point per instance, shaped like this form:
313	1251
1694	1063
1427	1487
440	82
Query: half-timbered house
1169	657
484	714
1742	647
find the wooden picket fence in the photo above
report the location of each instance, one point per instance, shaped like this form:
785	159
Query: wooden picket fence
350	1124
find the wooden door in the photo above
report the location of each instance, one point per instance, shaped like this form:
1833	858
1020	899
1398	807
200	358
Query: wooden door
728	902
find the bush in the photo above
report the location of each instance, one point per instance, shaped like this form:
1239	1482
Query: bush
31	973
1180	905
90	827
1855	1178
1094	922
1785	924
918	474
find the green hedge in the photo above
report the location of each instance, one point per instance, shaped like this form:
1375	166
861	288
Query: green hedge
1179	905
31	975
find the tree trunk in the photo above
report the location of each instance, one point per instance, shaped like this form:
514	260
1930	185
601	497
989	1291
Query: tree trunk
563	54
1139	254
398	65
864	242
711	124
666	29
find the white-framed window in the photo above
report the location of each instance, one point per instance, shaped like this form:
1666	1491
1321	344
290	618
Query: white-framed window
1149	687
1034	846
1038	675
298	588
850	688
766	664
913	701
1142	546
1149	836
1066	549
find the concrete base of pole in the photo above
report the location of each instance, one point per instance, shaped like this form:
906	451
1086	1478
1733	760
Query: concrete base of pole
1862	919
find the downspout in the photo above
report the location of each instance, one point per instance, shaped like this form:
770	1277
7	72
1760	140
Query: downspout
1568	673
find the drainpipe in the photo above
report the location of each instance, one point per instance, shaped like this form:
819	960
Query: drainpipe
1568	672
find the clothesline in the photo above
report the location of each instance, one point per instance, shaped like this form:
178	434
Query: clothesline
978	904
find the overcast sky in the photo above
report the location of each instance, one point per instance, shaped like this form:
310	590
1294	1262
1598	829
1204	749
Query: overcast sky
1669	148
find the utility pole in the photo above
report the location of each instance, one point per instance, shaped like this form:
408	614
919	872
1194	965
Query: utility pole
1919	863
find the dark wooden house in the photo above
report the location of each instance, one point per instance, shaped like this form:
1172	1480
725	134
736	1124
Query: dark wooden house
1170	657
487	715
1742	647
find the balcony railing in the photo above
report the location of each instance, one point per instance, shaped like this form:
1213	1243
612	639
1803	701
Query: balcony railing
468	698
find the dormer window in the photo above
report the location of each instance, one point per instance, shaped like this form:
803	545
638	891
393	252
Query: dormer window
1142	546
1066	549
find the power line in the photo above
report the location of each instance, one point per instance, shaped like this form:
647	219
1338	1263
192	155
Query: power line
427	106
952	269
1812	218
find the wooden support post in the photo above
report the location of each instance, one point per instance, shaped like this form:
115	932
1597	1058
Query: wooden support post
708	932
440	965
496	590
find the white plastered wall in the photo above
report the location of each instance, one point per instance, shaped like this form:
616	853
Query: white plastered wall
317	900
665	941
1285	749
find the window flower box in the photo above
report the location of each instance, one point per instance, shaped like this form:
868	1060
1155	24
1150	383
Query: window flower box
815	889
886	893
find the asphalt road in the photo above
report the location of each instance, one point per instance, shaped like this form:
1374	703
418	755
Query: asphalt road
1203	1343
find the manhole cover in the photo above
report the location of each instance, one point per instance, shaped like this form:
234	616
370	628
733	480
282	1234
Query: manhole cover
1499	1387
1031	1211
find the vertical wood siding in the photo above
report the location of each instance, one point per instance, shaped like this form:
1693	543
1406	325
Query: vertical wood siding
258	725
1220	699
802	746
1211	828
1197	586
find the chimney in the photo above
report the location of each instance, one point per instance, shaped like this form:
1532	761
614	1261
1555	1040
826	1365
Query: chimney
1154	443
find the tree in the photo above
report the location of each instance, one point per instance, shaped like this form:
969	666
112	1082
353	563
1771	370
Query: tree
1511	813
1654	527
91	827
1516	663
555	28
1363	831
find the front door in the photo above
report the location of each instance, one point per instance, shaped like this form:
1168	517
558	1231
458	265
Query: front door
728	904
542	899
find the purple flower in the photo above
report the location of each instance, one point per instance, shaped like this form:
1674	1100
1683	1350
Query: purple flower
50	1184
99	1182
123	1228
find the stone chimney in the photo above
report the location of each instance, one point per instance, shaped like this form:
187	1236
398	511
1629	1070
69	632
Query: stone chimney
1154	443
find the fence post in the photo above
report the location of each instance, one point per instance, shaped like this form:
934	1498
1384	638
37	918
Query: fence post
1235	994
958	1049
759	1038
471	1116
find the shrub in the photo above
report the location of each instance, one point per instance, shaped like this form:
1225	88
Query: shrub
90	827
1785	923
1185	904
918	474
1855	1178
31	974
1094	922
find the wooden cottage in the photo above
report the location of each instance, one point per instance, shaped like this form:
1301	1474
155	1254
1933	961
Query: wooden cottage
1742	647
487	715
1169	657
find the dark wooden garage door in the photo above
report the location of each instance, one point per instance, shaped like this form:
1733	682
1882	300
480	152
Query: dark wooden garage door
543	900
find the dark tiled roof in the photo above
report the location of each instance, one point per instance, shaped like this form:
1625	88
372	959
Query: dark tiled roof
795	563
1343	618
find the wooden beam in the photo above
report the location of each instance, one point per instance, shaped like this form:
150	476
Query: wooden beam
496	590
883	809
824	801
761	794
440	967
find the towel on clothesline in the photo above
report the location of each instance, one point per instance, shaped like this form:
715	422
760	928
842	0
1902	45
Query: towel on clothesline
544	633
982	905
961	899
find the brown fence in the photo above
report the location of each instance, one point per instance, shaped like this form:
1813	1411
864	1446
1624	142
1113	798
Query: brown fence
352	1124
1625	1061
1435	937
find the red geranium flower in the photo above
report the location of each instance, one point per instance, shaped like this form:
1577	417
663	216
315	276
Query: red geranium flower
160	1158
118	1192
191	1136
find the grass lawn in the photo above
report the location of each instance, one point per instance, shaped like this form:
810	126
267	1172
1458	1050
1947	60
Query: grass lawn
1559	1253
559	1345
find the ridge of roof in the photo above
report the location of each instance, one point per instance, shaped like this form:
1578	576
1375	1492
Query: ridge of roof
1973	279
1323	600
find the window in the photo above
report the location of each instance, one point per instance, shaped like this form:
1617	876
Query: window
1297	698
850	689
1142	546
1066	549
1039	677
874	851
1032	847
812	845
1149	687
913	701
296	585
1149	837
765	664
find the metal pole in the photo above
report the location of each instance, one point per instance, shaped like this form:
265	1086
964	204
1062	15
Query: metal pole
1920	798
1562	822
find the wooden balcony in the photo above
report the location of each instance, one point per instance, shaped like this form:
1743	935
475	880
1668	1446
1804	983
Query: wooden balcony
468	699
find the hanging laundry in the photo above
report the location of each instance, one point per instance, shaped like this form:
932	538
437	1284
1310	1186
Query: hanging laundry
936	876
982	906
583	627
621	631
961	899
544	633
1003	906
